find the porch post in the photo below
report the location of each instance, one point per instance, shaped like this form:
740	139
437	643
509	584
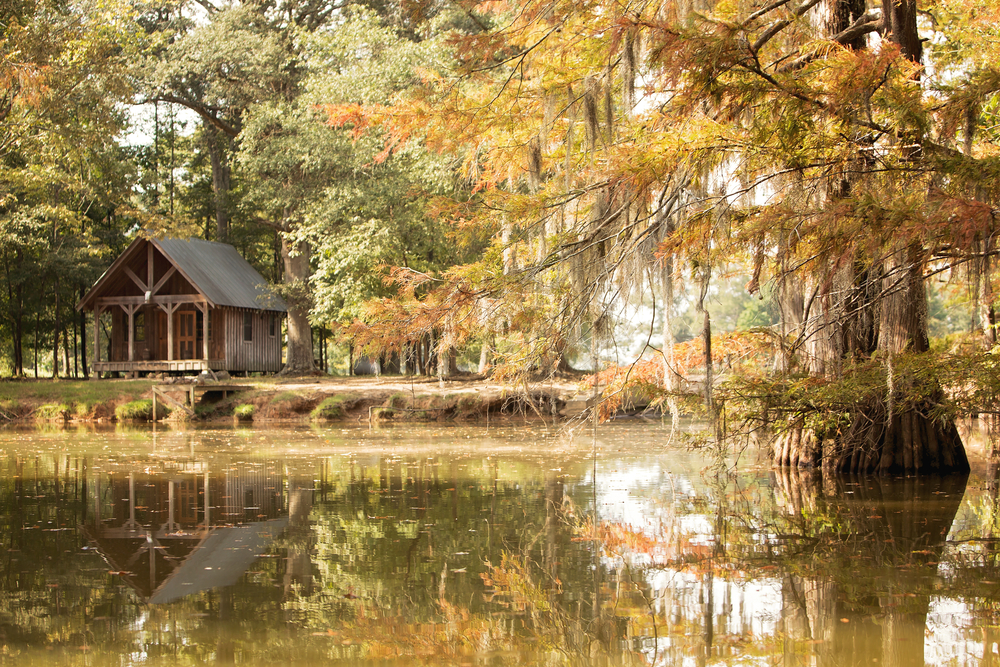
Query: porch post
149	266
204	330
97	339
131	332
170	332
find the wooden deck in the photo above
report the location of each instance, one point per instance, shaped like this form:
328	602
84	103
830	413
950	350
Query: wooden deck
160	366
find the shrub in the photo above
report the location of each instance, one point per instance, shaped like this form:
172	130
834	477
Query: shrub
52	411
334	407
244	411
141	410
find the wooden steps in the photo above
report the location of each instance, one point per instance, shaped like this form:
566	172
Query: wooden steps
193	394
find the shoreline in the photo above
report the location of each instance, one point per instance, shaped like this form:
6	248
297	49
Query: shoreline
291	400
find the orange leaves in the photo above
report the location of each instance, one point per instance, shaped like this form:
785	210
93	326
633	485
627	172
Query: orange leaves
356	115
513	579
442	307
849	78
966	220
646	377
618	538
362	118
406	280
481	50
734	134
660	545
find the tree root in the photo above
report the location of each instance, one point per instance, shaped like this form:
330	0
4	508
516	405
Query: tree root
906	442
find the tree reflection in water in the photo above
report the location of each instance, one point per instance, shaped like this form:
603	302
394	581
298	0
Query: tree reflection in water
204	552
867	600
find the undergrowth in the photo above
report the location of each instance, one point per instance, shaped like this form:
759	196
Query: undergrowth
334	407
141	410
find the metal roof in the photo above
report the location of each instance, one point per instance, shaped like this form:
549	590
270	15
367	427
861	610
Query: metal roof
219	272
216	270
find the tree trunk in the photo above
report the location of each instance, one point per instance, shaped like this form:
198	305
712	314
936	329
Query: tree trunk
34	351
671	379
83	341
706	335
900	20
791	304
299	353
55	336
484	358
430	355
447	356
18	329
218	150
76	349
912	441
987	313
66	362
884	436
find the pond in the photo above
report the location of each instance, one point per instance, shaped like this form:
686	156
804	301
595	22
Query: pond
474	546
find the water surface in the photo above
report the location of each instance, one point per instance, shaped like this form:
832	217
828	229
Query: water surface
467	546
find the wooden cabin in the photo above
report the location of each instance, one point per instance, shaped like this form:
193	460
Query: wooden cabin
182	305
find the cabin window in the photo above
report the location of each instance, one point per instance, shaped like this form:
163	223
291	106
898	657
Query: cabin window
139	327
247	327
272	325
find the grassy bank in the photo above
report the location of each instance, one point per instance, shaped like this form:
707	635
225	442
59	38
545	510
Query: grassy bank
274	403
68	399
326	399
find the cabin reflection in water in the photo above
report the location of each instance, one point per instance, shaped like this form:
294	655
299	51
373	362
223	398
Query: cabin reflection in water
173	528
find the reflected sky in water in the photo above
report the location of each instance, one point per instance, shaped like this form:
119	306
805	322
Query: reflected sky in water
468	546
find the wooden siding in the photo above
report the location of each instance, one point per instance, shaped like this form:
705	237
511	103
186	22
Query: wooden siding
263	353
227	349
144	349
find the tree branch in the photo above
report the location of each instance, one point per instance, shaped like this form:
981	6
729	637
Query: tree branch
208	6
199	109
766	10
870	22
778	26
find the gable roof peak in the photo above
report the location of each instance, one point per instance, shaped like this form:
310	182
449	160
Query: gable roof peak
216	270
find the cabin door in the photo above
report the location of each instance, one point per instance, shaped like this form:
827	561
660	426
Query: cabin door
186	335
161	334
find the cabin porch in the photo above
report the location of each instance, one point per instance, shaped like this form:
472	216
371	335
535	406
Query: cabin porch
155	366
181	335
